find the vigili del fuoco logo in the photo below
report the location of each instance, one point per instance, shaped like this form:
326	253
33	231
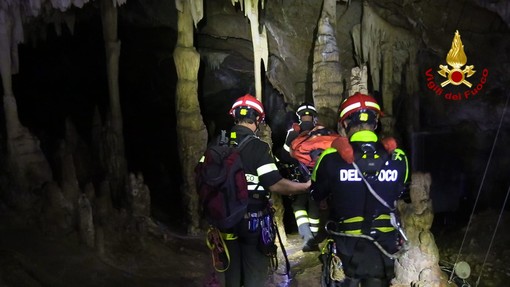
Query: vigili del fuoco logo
456	73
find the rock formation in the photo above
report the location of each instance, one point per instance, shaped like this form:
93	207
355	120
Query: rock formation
192	133
327	77
419	264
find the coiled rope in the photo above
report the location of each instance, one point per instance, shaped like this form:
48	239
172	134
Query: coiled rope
336	270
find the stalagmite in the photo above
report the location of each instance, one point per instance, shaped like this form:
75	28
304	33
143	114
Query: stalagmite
191	130
55	218
419	264
138	196
102	215
27	164
68	181
327	79
359	81
85	221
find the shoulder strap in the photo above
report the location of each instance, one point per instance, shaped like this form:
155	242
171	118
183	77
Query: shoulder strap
394	221
245	140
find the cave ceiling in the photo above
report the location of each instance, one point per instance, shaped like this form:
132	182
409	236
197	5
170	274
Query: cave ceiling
223	36
223	39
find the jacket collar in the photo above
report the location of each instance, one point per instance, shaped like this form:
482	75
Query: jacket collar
364	136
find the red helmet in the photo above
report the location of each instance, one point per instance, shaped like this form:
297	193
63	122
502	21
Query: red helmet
247	106
358	102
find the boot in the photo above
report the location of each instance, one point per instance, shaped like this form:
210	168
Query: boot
310	245
305	232
307	236
320	236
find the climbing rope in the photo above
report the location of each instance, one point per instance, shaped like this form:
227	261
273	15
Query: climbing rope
478	196
332	269
219	251
493	236
336	270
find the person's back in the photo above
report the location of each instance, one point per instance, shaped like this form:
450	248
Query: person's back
385	172
362	196
247	244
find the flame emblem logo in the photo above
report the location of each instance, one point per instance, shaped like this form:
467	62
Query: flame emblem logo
456	58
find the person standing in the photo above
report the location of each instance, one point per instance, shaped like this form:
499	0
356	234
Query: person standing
249	266
306	211
362	196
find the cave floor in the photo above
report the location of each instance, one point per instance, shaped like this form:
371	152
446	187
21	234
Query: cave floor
30	258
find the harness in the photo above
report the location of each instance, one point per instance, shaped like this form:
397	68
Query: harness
368	165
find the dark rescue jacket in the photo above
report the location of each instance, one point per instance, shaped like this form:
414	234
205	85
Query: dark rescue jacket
353	207
259	167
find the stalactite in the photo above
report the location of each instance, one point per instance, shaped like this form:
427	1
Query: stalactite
214	59
259	40
53	11
114	157
391	49
196	7
261	53
327	78
384	45
191	130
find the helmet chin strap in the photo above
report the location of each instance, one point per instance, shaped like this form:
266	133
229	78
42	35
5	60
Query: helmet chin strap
347	128
258	121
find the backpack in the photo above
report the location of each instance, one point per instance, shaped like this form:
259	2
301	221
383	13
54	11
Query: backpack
370	157
308	146
221	183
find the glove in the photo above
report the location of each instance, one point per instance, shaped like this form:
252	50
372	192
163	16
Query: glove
389	143
344	148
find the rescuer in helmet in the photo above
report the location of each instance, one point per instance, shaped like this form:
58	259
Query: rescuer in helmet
306	211
248	263
362	196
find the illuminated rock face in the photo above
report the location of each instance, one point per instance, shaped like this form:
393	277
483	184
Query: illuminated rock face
420	263
397	42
